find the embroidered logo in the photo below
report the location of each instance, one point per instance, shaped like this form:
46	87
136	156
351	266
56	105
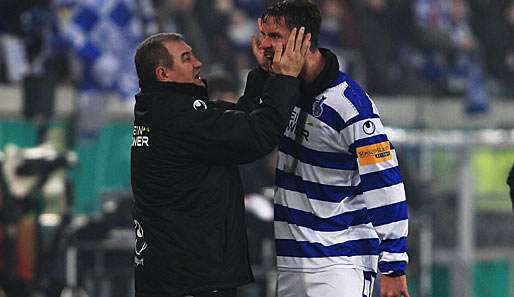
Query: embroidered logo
199	104
317	106
141	244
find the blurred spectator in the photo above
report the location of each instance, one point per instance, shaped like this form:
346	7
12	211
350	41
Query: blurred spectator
493	20
184	16
102	36
508	47
253	8
451	54
339	32
29	56
383	28
338	28
205	25
45	63
221	87
12	50
240	30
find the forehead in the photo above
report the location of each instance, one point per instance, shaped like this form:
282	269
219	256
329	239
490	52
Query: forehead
177	48
274	24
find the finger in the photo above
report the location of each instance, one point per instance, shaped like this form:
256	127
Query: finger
291	41
278	54
306	45
299	39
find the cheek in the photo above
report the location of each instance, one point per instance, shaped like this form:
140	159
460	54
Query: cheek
276	43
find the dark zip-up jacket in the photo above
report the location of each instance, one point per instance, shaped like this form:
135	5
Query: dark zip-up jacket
189	208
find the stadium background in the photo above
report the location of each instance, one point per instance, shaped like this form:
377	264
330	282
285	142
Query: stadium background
440	71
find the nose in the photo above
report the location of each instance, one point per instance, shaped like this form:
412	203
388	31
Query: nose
198	63
266	42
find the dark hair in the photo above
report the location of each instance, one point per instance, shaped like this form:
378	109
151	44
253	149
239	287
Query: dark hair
297	13
152	53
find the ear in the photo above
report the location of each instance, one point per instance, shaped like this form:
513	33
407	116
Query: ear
161	73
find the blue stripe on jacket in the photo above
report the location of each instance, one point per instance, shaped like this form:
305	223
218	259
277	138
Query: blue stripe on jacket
392	266
388	213
314	190
396	245
380	179
329	116
306	219
317	158
304	249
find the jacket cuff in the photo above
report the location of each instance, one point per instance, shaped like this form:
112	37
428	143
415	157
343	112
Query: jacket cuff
394	273
255	82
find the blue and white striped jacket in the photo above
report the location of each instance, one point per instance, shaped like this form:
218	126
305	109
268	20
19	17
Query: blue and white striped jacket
340	200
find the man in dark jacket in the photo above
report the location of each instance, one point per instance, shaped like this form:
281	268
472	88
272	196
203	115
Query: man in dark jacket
189	212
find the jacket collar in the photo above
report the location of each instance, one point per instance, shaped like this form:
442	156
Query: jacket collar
325	79
183	88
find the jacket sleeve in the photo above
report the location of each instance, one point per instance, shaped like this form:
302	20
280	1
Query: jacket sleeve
230	136
382	187
253	90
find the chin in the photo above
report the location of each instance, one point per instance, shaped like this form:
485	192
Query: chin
199	82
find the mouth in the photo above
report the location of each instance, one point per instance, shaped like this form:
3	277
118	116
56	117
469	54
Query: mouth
197	79
269	55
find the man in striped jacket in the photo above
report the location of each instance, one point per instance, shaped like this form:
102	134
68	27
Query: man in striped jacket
340	208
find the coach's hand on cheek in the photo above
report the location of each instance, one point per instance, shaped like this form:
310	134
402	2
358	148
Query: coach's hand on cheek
257	49
290	61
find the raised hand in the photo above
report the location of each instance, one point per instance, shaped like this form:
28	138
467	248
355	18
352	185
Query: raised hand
290	61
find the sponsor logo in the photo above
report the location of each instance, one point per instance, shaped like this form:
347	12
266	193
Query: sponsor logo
317	106
374	153
368	127
139	138
291	126
293	123
199	105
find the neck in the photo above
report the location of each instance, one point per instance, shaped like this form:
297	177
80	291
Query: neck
314	63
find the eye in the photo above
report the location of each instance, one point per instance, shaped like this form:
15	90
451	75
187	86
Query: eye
186	57
274	36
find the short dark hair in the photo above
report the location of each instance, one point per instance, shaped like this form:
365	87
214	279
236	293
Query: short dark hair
152	53
297	13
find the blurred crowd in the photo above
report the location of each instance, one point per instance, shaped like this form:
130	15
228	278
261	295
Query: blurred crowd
413	47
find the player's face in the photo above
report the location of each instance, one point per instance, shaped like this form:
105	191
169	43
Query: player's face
186	67
274	32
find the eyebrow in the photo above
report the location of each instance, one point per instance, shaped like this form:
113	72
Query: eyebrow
273	34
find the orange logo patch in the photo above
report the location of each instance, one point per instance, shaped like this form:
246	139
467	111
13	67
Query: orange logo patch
374	153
